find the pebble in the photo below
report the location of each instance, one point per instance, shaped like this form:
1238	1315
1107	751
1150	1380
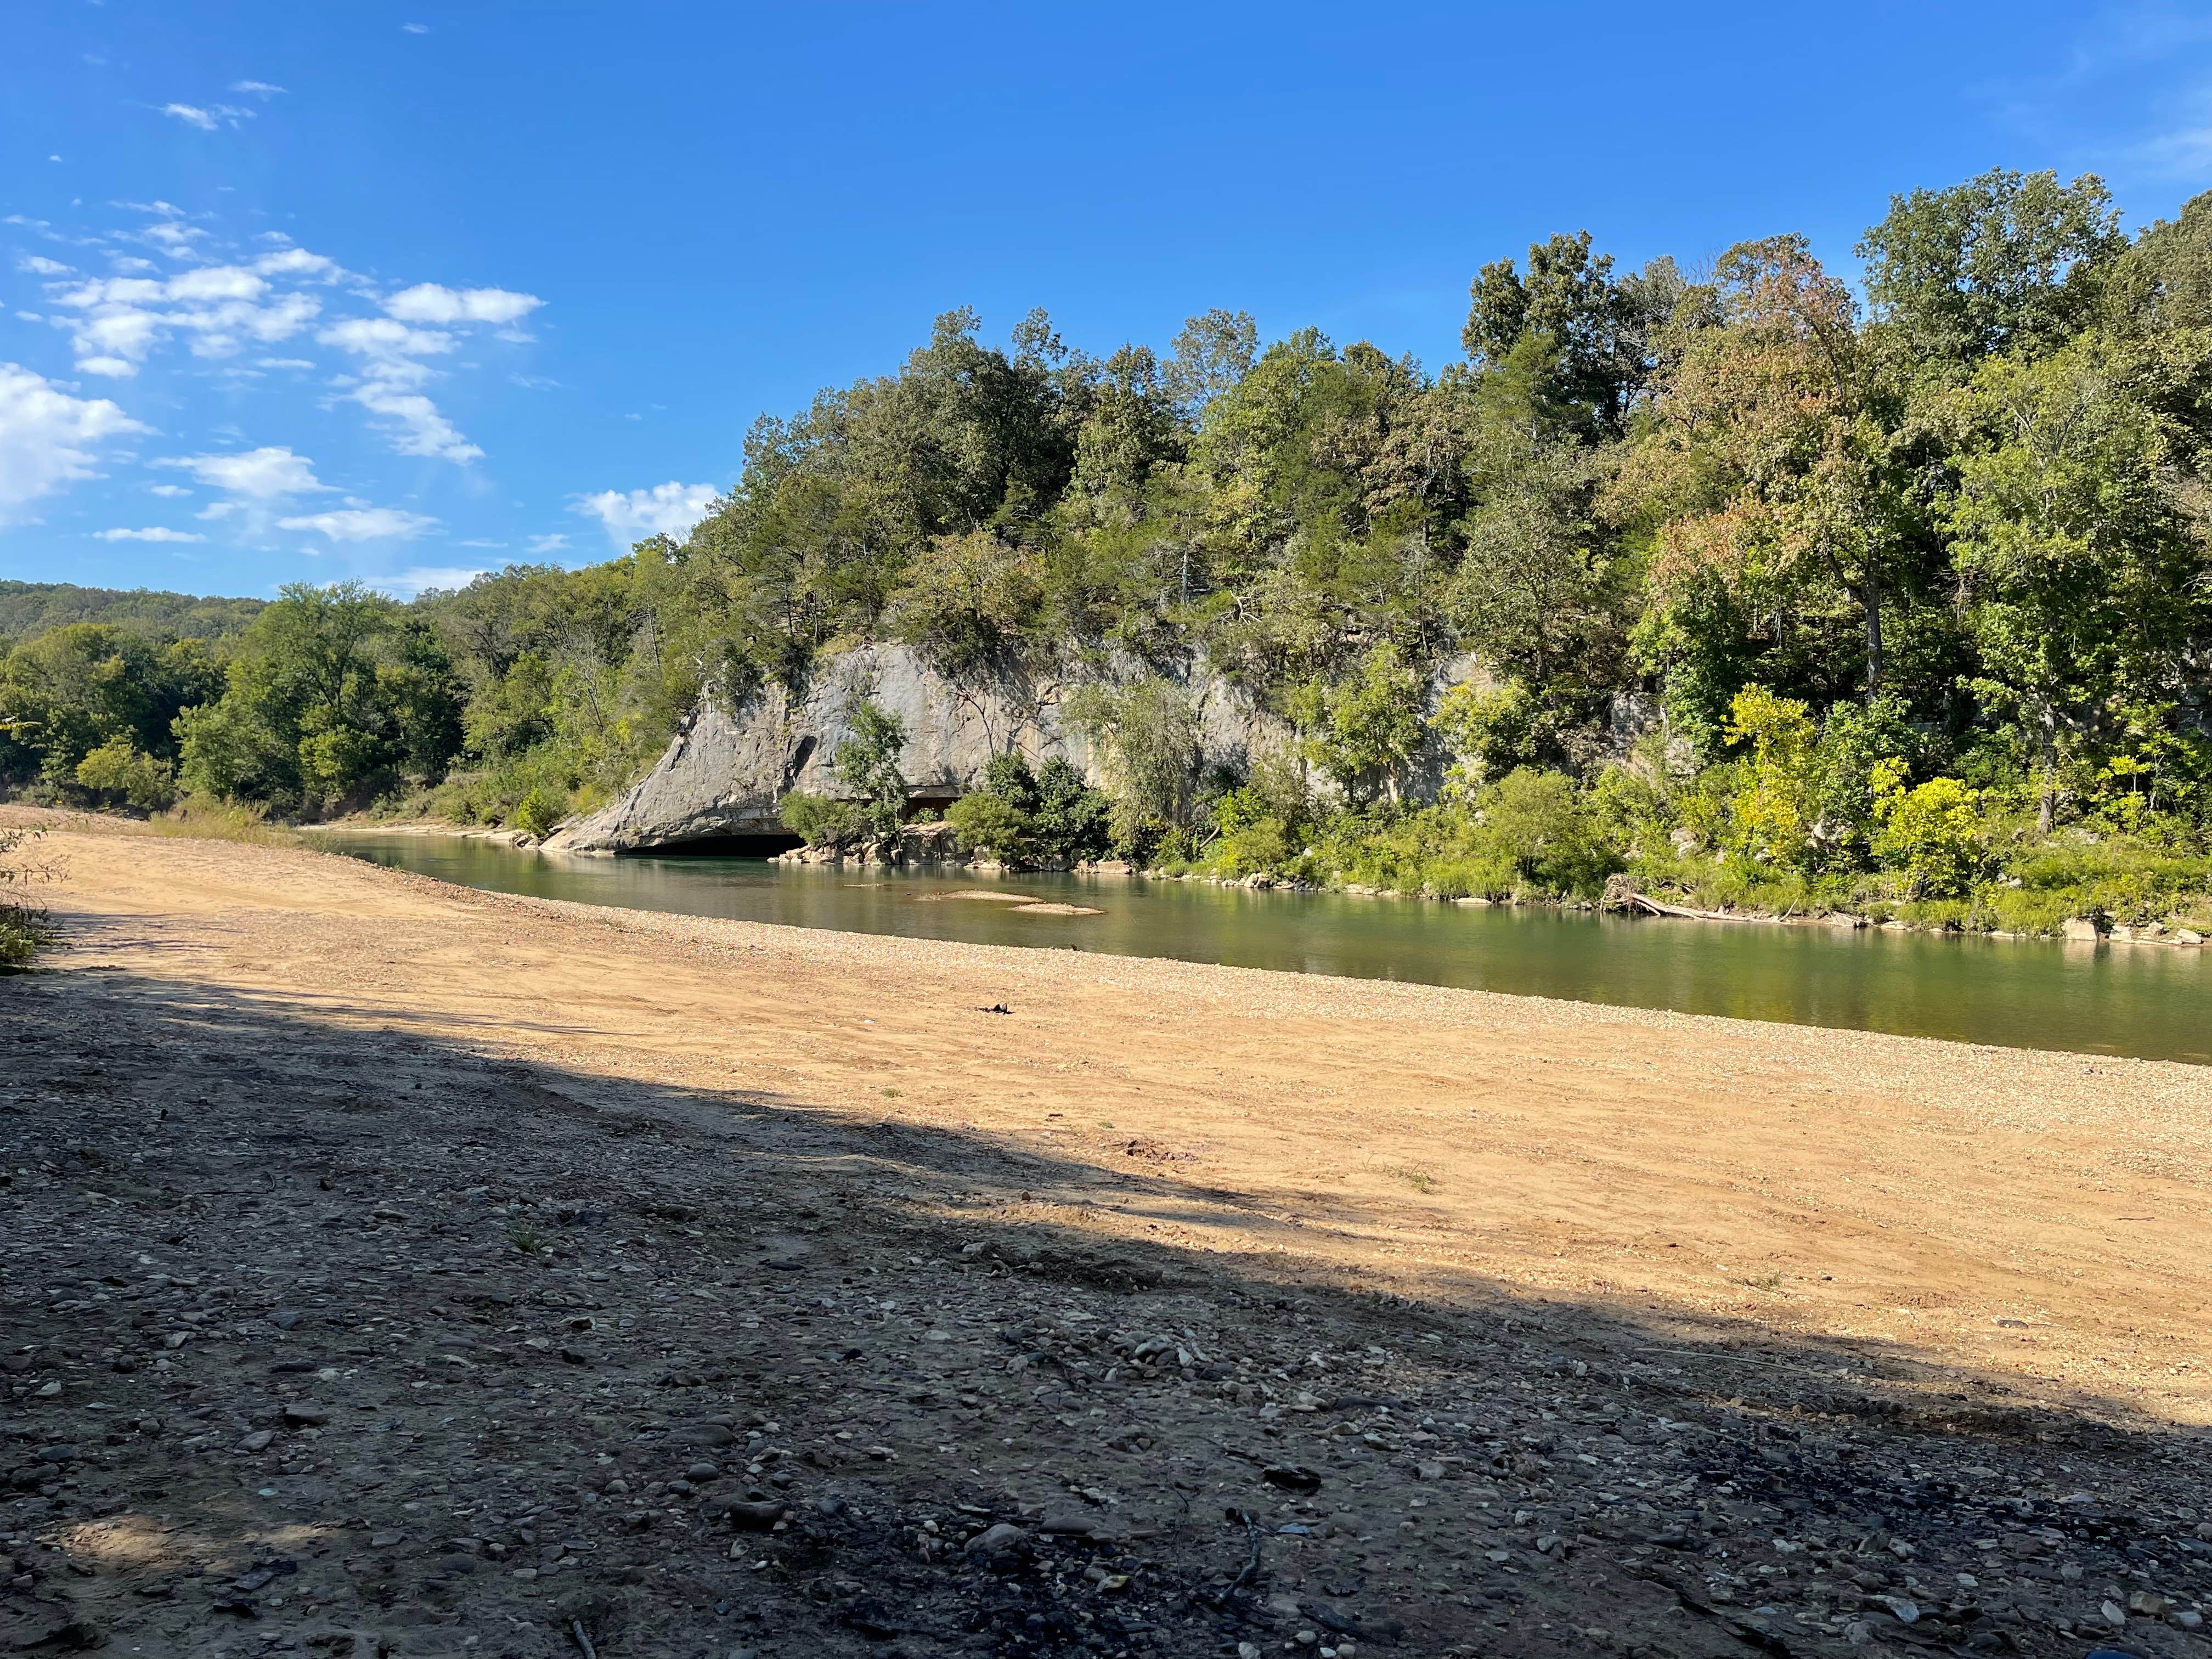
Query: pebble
845	1425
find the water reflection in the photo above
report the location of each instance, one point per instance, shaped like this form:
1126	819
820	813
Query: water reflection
2146	1000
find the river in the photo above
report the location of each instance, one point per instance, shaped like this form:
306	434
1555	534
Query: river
2152	1001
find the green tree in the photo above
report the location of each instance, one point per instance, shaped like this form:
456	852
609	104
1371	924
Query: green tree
2004	263
1367	732
1594	333
1490	731
1774	811
1764	479
1146	733
1932	833
333	692
867	764
117	772
2080	554
75	688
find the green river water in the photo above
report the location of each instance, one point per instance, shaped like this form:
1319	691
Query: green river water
2148	1000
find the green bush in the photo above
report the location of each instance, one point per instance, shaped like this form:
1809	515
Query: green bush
22	929
115	771
1932	833
1021	816
992	826
1538	822
820	821
537	812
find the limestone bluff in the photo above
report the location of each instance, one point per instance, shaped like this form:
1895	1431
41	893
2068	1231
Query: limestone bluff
726	770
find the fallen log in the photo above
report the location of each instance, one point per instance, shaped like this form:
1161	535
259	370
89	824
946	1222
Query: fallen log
1658	909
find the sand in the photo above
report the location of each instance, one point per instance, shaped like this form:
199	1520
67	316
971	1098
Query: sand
2036	1222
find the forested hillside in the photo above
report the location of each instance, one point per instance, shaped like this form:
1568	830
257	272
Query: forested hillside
29	608
1916	575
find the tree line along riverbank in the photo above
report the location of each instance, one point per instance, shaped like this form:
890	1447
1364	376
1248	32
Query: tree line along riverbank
1904	584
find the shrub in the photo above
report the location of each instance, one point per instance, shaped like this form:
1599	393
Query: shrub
537	811
1932	833
117	772
1537	822
22	929
1071	820
1022	816
819	821
991	825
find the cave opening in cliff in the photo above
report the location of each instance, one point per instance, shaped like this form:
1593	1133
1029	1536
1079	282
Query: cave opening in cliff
762	846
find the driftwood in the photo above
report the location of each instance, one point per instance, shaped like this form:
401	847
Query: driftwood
1646	902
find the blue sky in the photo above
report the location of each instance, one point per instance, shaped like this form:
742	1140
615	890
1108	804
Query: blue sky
304	292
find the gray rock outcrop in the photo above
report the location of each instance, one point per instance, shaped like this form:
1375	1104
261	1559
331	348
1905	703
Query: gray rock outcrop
725	773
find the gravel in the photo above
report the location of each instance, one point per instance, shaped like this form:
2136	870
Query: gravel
362	1343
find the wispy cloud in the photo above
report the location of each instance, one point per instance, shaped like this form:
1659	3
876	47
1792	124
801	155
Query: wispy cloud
362	523
155	533
116	322
410	584
2130	98
208	116
48	439
429	302
264	474
262	88
668	509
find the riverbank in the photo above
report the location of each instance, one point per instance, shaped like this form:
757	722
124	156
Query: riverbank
2078	913
483	1265
1420	1065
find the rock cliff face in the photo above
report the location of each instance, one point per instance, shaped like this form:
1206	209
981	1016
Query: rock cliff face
724	773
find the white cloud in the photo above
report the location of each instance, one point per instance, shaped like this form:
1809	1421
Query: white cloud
220	301
207	119
417	427
47	437
408	583
415	28
428	302
297	261
261	87
167	492
117	321
156	533
552	544
385	342
669	509
362	523
391	372
263	474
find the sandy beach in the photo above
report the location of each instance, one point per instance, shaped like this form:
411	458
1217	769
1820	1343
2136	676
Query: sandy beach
2001	1250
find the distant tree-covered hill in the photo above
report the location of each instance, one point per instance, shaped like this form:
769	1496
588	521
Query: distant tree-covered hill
30	609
